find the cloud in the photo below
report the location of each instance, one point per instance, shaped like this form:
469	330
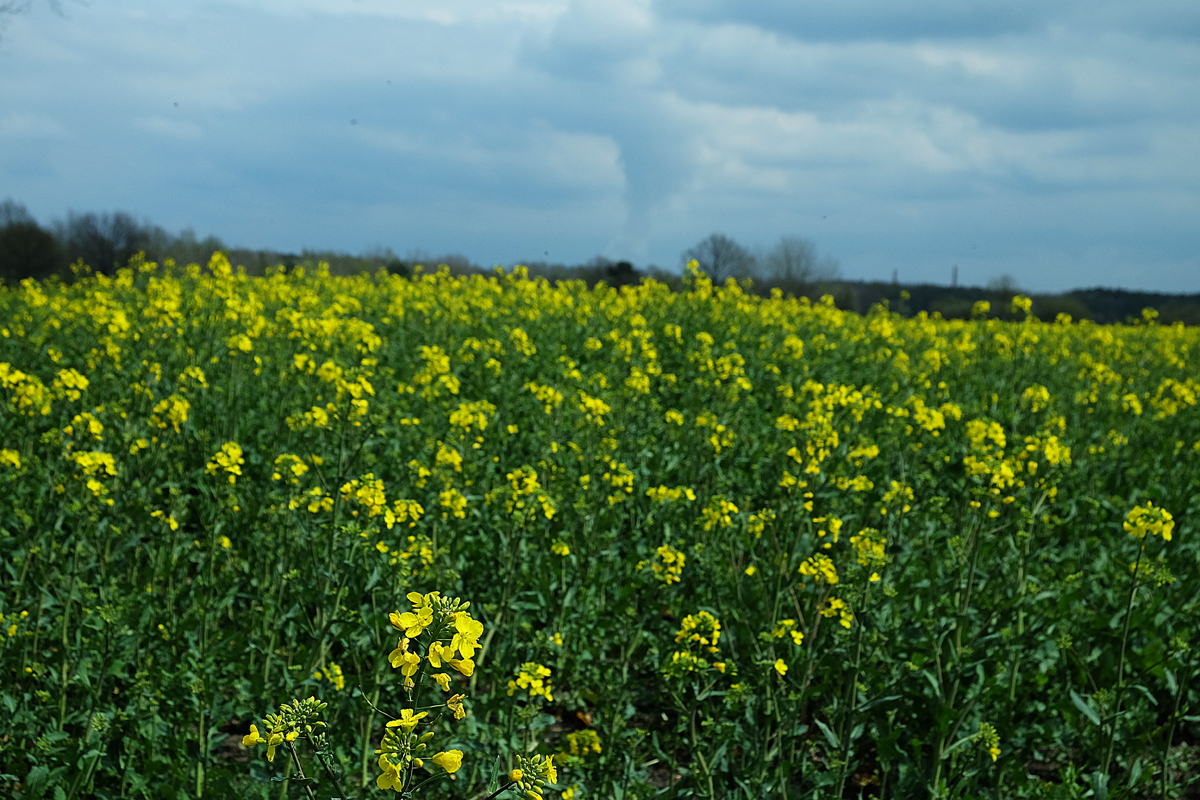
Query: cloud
24	125
1048	140
170	128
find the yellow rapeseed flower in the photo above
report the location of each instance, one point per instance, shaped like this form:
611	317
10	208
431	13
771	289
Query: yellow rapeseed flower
1148	519
408	720
450	760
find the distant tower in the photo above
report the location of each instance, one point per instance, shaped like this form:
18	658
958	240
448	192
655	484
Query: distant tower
954	276
895	276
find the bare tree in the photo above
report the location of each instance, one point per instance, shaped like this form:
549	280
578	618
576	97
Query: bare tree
26	249
1004	283
12	212
720	257
186	248
793	260
104	241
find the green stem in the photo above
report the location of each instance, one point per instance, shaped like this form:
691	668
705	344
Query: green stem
700	755
851	702
500	791
366	737
1171	734
1112	731
296	758
62	696
329	770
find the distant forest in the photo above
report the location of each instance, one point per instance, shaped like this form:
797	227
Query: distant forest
105	242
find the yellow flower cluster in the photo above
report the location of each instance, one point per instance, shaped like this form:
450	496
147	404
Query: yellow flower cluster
69	383
449	620
85	423
532	775
550	397
869	545
472	415
836	607
820	566
988	740
593	408
757	523
1149	519
172	411
532	678
454	502
289	463
580	743
898	495
718	513
295	719
787	627
96	465
703	629
27	394
332	673
665	494
451	638
11	630
700	633
667	565
228	459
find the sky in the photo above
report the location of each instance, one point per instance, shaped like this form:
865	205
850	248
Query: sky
1053	141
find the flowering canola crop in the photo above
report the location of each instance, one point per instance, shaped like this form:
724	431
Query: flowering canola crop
792	546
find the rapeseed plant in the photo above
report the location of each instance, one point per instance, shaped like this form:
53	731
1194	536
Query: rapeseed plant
539	444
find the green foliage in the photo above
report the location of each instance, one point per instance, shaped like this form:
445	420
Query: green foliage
898	543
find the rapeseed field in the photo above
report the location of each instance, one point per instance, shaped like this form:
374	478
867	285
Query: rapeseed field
315	536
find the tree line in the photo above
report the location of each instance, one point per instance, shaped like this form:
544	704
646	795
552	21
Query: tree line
793	266
107	241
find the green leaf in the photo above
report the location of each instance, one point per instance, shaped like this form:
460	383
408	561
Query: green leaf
1135	772
1144	691
374	579
494	782
878	701
35	781
937	690
1083	706
830	736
